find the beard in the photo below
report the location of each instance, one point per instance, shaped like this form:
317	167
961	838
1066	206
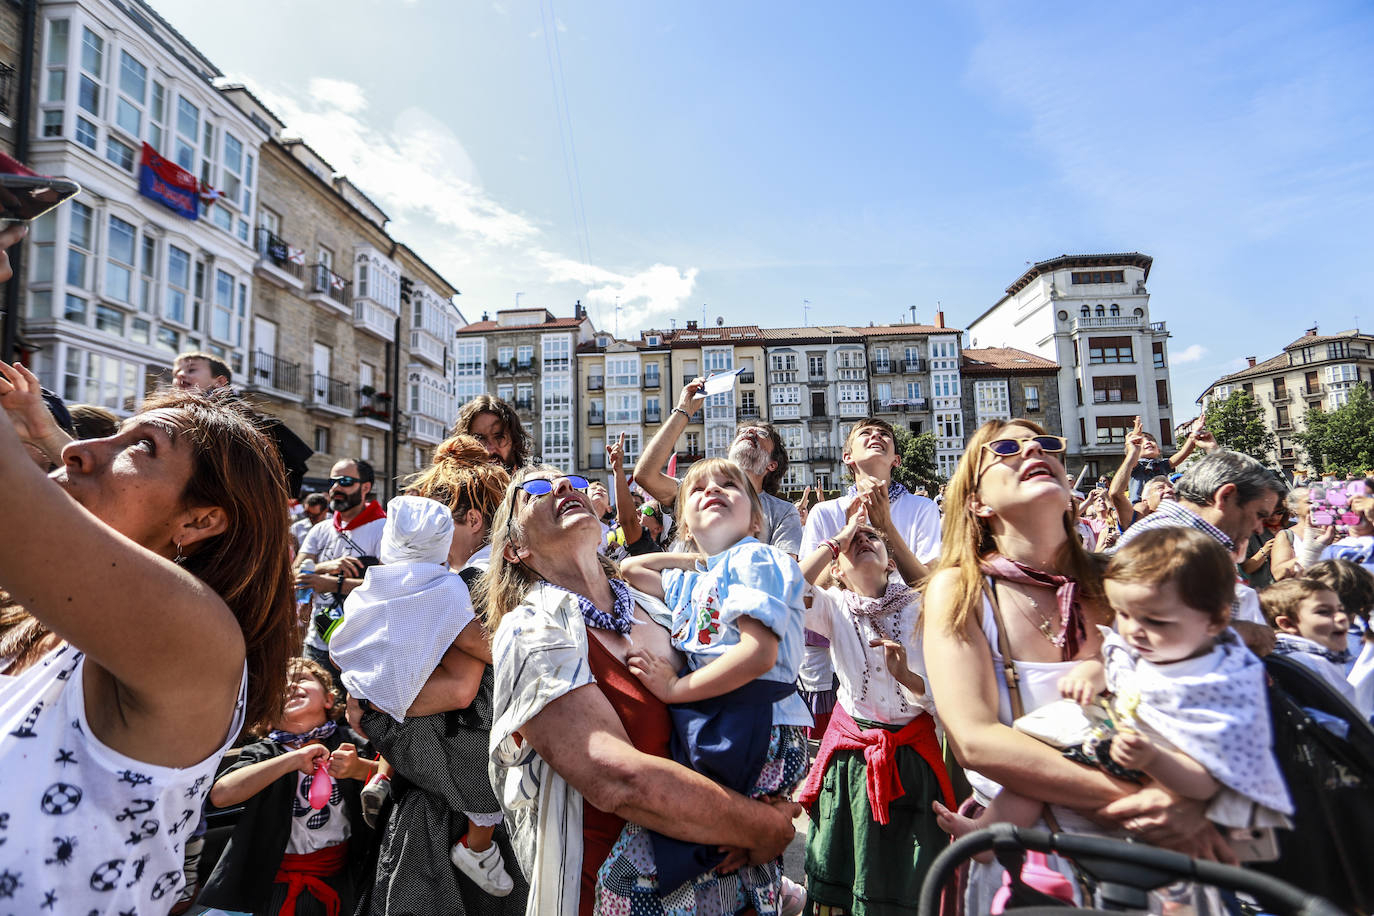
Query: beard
345	501
751	459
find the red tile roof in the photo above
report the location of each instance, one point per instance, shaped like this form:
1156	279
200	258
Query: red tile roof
1001	360
479	327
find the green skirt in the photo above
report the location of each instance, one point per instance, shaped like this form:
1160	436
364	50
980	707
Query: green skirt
856	863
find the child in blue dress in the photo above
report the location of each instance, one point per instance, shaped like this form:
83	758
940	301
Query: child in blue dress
737	616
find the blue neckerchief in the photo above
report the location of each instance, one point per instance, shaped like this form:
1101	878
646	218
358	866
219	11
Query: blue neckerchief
618	621
295	740
1289	644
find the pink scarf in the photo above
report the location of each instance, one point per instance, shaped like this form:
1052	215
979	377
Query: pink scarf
1072	628
895	598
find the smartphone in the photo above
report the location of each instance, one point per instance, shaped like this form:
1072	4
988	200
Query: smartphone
27	197
1254	844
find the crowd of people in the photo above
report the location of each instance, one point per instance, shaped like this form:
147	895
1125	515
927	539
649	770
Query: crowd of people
516	690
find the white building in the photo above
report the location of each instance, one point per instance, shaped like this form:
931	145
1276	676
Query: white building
117	282
1091	315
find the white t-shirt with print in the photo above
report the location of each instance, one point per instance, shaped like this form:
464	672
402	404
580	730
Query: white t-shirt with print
313	830
83	828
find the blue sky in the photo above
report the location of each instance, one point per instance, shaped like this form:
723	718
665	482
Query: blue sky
747	156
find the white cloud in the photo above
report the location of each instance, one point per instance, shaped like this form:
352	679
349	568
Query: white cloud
1190	354
417	170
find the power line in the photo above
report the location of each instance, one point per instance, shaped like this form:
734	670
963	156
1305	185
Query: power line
566	145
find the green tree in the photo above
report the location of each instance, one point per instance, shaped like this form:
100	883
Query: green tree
918	467
1340	441
1238	424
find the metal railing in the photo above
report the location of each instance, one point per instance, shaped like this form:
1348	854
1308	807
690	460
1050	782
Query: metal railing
596	462
325	281
596	383
273	248
276	373
882	368
331	391
746	377
596	418
747	413
914	365
652	381
653	416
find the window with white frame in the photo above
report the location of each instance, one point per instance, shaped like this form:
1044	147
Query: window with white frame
43	244
849	359
949	426
717	359
785	394
652	409
791	437
557	393
991	400
55	90
178	284
524	355
783	362
187	132
524	395
622	371
119	259
622	407
90	377
913	391
557	439
816	366
147	278
470	358
80	245
222	315
1345	372
945	384
792	477
505	355
1032	395
556	352
718	439
505	392
945	464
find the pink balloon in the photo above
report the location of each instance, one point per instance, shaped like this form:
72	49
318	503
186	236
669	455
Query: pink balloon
322	785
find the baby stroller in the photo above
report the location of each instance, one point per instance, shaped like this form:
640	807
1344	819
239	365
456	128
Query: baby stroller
1122	873
1326	753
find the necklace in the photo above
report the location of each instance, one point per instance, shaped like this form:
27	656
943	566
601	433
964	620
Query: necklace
1044	625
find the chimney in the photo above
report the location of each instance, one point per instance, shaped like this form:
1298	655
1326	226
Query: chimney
1311	332
578	311
1250	362
484	316
691	324
940	318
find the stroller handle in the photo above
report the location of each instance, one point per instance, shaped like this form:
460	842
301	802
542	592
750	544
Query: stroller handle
1150	860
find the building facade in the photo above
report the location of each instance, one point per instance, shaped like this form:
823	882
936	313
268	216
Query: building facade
914	371
817	388
1090	314
528	357
352	333
1000	383
622	387
695	351
1316	370
116	282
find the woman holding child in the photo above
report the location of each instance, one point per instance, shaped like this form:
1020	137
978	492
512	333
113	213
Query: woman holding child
1013	579
580	746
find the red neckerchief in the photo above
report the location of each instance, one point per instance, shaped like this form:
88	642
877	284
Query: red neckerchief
1074	630
372	510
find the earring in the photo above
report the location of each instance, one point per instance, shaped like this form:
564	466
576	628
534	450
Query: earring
179	559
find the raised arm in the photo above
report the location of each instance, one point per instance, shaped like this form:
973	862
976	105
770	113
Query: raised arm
23	399
750	658
1198	436
625	511
873	495
580	736
643	572
816	564
649	468
154	634
1119	490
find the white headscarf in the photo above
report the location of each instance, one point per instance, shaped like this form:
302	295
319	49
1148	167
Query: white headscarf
397	625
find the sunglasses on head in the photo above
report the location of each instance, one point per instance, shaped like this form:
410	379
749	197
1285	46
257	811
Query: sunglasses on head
650	511
538	486
344	481
1005	448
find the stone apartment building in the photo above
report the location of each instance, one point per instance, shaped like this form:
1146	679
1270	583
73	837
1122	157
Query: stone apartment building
622	387
11	53
817	387
351	330
1001	382
697	351
914	378
1090	314
528	357
1316	370
117	281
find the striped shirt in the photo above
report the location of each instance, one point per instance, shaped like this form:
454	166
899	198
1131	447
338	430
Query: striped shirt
1172	515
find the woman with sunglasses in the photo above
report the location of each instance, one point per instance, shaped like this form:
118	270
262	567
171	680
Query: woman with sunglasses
1013	578
579	745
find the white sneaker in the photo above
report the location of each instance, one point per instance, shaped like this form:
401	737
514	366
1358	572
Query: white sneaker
373	796
486	868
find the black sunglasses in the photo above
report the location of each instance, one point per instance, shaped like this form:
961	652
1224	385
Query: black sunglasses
344	481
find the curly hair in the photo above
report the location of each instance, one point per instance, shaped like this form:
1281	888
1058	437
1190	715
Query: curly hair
462	476
521	445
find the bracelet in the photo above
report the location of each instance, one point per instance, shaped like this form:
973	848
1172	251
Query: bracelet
834	548
339	589
681	411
